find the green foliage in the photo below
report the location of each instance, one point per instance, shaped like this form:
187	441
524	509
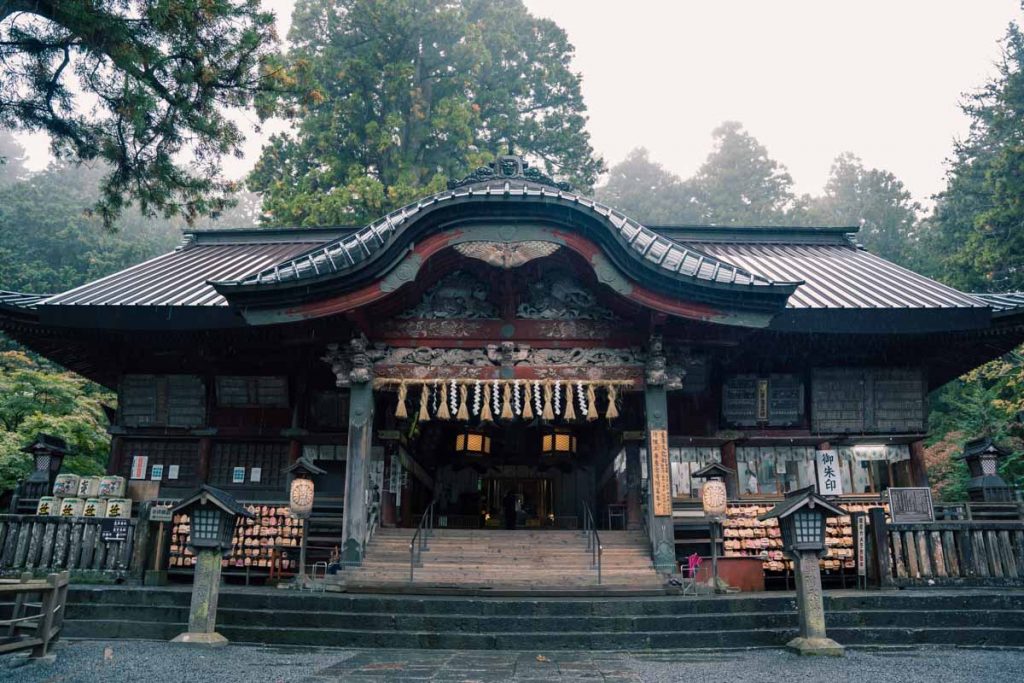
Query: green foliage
873	199
12	160
740	184
976	235
141	85
48	244
644	190
394	97
36	398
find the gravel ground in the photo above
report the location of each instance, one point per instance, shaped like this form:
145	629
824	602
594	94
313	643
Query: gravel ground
154	662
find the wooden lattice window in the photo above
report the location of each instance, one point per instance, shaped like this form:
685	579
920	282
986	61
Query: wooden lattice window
182	454
237	391
269	457
162	401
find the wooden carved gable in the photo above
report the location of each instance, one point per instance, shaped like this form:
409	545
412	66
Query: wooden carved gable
458	295
559	295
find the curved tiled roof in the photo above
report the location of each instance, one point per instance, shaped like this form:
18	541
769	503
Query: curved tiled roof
838	275
348	252
21	299
1007	302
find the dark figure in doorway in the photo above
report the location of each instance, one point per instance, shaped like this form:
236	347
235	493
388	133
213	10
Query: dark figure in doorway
509	502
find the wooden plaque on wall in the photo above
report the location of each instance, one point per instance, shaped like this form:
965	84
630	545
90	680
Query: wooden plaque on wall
661	475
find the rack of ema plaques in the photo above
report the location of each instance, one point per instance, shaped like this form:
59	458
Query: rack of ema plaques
265	546
746	536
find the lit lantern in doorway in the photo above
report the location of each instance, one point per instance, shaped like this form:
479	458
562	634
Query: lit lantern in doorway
301	490
558	443
472	442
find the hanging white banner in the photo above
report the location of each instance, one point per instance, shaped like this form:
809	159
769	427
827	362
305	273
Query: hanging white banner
830	483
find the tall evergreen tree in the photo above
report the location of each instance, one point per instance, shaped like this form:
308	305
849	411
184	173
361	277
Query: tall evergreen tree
141	85
410	93
12	159
977	232
873	199
645	190
740	184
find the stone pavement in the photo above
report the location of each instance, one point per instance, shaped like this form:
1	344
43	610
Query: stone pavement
156	662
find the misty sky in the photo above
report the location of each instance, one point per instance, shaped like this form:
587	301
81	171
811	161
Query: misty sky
809	79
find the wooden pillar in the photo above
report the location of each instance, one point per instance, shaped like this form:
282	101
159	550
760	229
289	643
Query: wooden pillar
660	527
634	508
357	472
732	489
116	455
205	452
294	450
918	470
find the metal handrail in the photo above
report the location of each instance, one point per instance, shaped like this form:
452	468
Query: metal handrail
418	544
593	540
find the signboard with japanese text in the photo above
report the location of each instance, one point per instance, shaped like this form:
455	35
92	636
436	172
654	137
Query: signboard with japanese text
911	504
114	529
861	541
830	482
160	513
661	475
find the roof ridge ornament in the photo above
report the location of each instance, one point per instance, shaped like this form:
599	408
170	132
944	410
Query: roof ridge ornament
509	167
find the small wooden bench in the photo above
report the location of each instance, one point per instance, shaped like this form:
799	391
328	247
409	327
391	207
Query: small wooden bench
33	624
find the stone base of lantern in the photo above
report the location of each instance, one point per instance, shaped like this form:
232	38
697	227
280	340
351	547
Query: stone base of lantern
816	647
212	639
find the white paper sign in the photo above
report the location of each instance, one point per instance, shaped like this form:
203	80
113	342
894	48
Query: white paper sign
830	483
255	474
139	465
172	471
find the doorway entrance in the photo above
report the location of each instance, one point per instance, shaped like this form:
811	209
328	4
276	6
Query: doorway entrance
519	503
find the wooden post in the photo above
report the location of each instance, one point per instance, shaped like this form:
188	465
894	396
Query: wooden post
918	469
897	551
203	466
47	609
140	546
949	546
661	528
116	455
938	558
880	538
357	472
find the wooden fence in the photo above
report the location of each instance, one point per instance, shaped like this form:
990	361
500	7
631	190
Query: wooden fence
34	625
955	553
43	544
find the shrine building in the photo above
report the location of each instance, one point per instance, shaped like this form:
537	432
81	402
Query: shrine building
518	355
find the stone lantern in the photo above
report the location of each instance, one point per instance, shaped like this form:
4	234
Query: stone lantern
982	458
301	493
47	457
212	516
801	518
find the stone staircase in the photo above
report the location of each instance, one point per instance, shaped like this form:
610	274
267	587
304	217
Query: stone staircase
491	559
993	618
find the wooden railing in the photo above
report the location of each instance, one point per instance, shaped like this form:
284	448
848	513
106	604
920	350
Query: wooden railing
956	553
43	543
32	624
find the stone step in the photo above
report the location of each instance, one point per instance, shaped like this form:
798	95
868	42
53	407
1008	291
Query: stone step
479	623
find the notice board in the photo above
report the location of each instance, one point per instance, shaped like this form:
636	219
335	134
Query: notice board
661	475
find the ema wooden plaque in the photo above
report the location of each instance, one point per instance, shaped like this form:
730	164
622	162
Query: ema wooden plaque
661	475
